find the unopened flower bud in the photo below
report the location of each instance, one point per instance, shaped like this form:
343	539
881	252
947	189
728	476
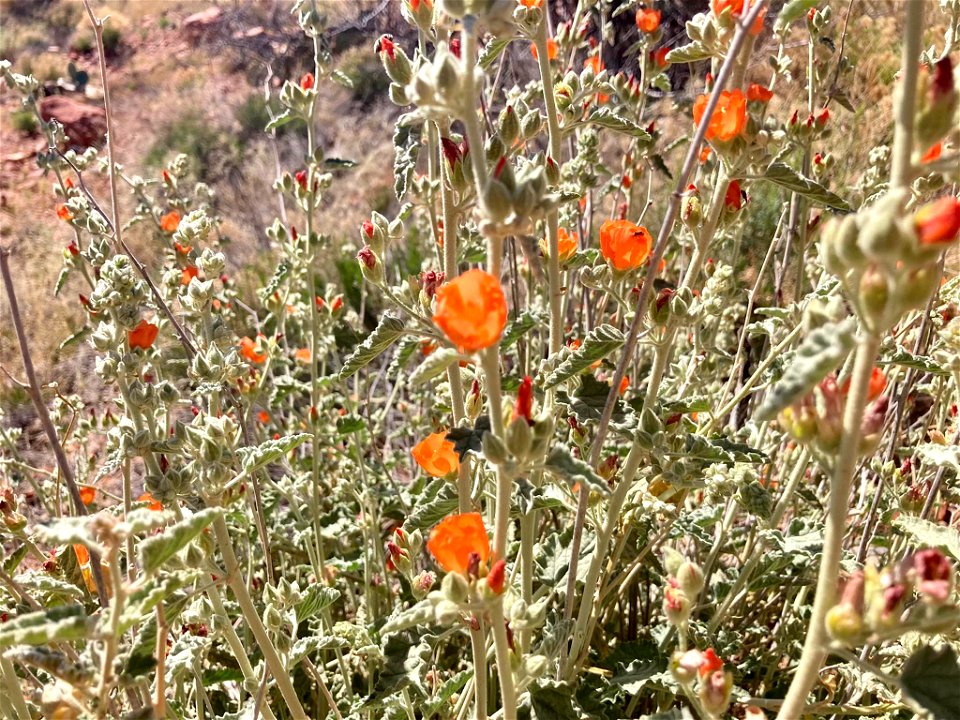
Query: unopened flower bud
715	690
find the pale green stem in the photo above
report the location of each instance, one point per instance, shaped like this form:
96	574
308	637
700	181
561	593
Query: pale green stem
478	645
508	694
113	636
815	644
14	691
281	674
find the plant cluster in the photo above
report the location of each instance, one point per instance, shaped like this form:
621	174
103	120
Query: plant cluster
552	456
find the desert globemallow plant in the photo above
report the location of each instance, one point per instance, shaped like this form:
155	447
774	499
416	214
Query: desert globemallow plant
629	404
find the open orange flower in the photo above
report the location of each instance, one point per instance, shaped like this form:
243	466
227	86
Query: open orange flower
728	119
938	222
595	64
625	245
170	222
143	335
567	244
302	355
878	383
552	50
248	350
63	212
188	274
456	538
152	502
471	310
736	8
758	93
88	494
648	20
436	455
531	3
83	555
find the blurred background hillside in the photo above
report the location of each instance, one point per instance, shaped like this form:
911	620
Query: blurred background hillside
198	77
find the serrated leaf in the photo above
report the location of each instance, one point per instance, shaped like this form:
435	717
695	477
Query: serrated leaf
314	600
157	549
605	117
339	163
146	597
267	452
441	699
280	120
341	78
661	82
552	700
74	338
406	147
435	364
793	10
436	502
589	399
519	327
57	624
784	176
930	534
349	424
903	357
821	353
561	462
416	616
720	449
61	280
599	342
491	51
931	679
691	52
465	439
279	275
387	332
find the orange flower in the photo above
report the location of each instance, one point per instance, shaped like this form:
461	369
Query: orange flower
170	222
758	93
530	3
567	244
552	50
302	355
648	20
728	119
710	663
83	555
456	538
933	153
878	383
182	249
733	199
938	222
595	64
63	212
248	350
87	494
624	385
736	8
471	310
152	502
659	57
436	455
263	417
188	274
625	245
143	335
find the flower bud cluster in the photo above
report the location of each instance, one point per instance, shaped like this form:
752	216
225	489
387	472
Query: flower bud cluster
684	583
713	683
876	604
888	258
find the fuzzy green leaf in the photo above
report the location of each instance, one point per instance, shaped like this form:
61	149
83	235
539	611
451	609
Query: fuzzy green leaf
607	118
280	120
519	327
434	365
267	452
793	10
691	52
157	549
57	624
820	354
314	600
903	357
786	177
561	462
416	616
388	332
61	280
553	701
599	342
930	534
931	679
406	148
491	51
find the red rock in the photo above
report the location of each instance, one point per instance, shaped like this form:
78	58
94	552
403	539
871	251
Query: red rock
85	125
200	23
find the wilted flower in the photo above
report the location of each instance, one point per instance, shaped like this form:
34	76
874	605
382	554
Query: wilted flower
436	455
934	575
